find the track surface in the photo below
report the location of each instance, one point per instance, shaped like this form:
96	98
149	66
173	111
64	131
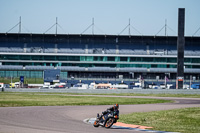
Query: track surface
60	119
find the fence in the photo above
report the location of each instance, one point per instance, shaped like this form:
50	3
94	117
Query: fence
101	91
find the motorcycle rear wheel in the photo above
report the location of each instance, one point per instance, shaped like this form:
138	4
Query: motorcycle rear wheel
109	122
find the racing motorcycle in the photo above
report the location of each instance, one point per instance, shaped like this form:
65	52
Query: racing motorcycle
107	119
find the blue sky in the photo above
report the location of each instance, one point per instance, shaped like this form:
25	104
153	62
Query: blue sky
111	16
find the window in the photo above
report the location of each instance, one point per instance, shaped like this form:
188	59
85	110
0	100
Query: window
110	58
123	58
154	66
23	57
97	58
195	60
171	60
10	57
132	59
160	59
148	59
187	60
49	57
61	58
37	58
89	58
73	58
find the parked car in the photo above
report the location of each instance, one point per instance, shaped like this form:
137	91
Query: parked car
195	86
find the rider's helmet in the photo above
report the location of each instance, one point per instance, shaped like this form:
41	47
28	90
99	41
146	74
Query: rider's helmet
116	106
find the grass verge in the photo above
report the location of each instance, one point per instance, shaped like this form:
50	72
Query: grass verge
161	95
10	99
139	94
185	120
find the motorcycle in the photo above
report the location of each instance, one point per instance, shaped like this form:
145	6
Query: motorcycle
107	119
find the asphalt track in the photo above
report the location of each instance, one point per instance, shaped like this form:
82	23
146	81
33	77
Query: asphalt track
69	119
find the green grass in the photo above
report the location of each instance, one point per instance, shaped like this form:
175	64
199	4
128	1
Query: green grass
138	94
10	99
180	120
26	80
161	95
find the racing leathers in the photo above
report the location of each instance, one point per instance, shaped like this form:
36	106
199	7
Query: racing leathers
111	109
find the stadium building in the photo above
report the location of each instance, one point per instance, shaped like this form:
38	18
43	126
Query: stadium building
96	57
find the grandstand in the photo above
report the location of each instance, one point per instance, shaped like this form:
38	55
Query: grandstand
96	56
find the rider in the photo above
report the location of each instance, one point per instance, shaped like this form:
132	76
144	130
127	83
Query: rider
114	108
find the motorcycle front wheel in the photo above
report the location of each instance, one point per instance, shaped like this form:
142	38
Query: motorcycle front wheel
109	122
96	124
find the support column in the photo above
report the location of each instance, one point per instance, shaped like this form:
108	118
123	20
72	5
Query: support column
180	48
56	48
25	47
117	49
86	48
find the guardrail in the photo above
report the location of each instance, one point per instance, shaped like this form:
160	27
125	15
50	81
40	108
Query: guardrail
108	91
115	79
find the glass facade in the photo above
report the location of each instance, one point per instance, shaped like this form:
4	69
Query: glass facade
97	61
96	58
27	74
